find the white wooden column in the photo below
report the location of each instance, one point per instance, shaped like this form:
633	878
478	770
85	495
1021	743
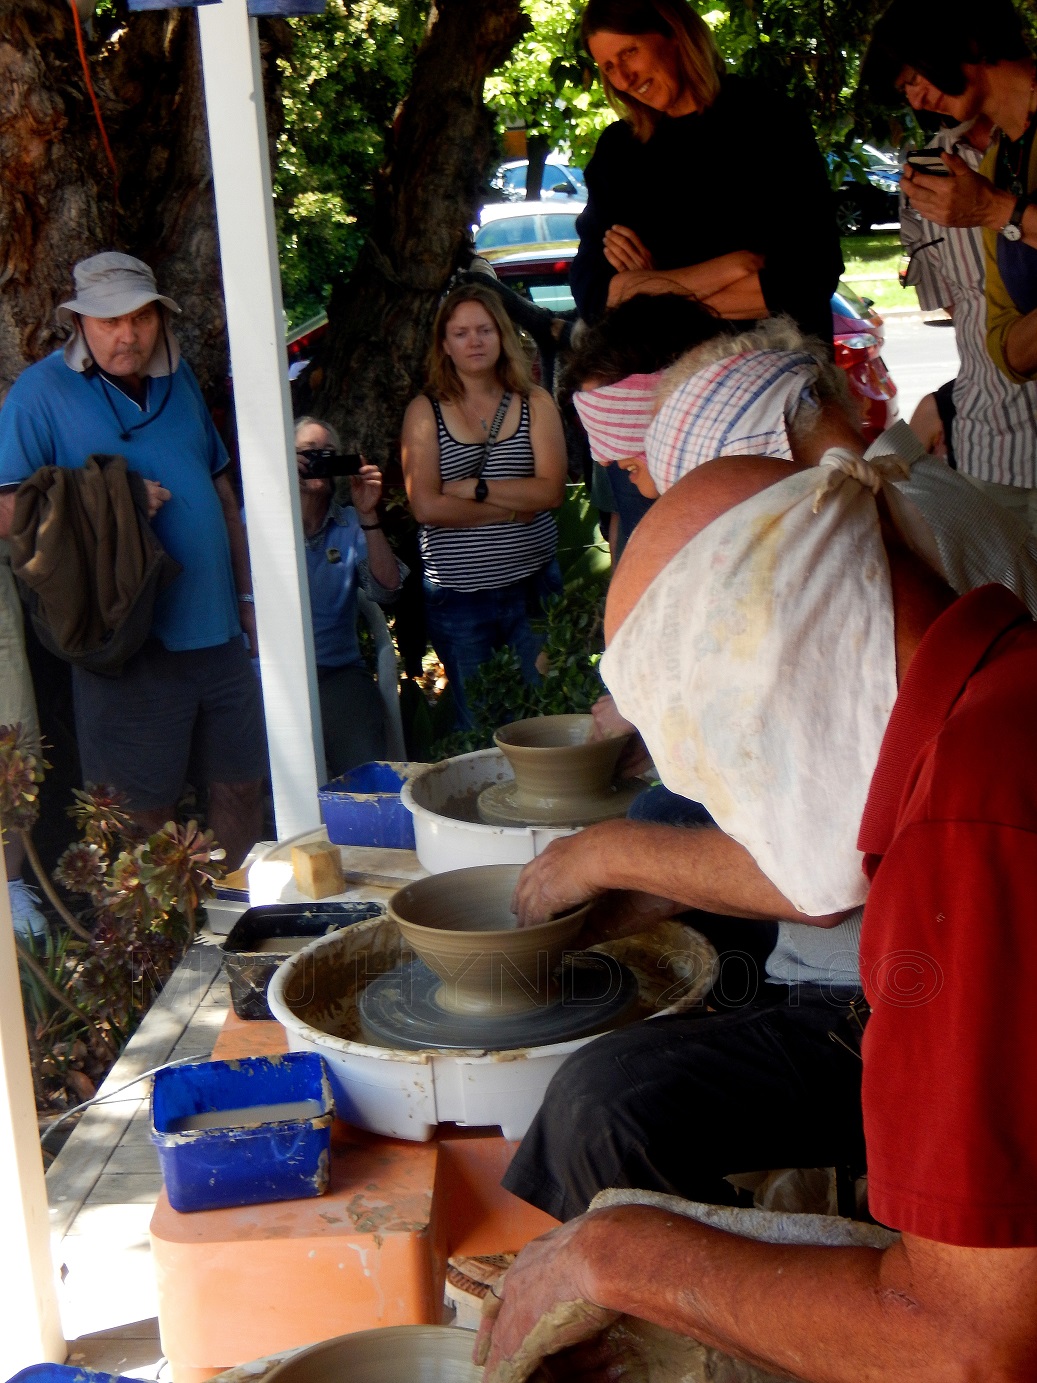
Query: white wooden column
31	1329
262	404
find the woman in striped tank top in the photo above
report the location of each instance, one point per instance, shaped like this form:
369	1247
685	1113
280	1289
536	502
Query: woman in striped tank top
486	535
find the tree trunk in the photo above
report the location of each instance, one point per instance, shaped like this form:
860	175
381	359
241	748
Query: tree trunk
425	202
57	198
537	147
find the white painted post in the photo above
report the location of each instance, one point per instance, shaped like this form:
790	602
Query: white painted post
262	404
31	1331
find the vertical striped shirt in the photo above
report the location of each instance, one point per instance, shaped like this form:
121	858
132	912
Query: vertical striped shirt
995	430
494	554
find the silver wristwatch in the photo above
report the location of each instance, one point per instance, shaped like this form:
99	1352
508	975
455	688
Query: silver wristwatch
1013	229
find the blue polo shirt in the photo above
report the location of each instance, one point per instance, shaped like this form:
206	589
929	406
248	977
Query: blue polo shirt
333	557
54	416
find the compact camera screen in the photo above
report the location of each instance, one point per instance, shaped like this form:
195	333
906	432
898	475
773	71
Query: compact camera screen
325	463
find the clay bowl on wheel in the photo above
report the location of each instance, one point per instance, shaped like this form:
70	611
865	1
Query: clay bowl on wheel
555	761
461	925
393	1354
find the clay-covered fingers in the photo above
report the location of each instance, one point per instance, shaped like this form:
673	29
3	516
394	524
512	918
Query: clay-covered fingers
624	249
607	720
491	1309
541	1309
558	880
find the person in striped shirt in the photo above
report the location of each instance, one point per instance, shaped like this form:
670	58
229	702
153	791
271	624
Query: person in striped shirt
484	463
989	432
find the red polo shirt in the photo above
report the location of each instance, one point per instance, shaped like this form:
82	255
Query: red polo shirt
949	944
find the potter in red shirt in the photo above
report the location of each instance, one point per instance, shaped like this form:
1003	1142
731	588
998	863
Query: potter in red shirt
949	946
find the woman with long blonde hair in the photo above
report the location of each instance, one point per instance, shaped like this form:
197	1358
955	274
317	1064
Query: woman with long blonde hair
708	184
484	463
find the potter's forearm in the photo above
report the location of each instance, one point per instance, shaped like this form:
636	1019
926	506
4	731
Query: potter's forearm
819	1314
699	868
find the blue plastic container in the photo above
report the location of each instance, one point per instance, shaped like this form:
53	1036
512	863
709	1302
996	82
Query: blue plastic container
363	807
284	1154
65	1373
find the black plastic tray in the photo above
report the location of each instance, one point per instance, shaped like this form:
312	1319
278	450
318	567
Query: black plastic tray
249	970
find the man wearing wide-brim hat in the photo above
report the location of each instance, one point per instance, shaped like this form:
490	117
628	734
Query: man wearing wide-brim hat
120	387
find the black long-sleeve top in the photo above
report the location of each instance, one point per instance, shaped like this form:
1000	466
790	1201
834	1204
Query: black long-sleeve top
746	174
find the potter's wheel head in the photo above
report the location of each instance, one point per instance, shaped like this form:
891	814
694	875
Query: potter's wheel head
461	925
591	993
393	1354
557	765
501	804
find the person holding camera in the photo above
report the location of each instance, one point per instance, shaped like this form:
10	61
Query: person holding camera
685	191
345	545
484	462
963	60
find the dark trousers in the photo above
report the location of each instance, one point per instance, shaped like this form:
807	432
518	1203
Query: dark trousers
675	1104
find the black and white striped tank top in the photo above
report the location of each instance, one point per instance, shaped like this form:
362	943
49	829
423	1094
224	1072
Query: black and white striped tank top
479	559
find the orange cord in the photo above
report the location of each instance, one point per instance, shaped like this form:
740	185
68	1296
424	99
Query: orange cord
93	98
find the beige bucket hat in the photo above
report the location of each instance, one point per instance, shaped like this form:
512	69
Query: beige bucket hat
110	285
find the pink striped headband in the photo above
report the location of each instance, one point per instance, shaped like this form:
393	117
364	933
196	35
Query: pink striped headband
616	416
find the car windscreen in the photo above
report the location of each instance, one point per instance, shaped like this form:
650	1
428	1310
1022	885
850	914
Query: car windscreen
558	227
510	230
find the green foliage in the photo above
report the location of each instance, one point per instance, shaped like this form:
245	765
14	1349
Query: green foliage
546	87
348	70
582	551
145	892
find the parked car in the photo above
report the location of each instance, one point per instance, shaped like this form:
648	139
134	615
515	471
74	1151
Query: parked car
505	226
873	201
859	336
539	270
560	180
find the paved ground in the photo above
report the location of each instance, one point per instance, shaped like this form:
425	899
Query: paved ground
920	356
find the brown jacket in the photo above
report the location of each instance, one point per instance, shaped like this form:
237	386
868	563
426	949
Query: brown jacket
88	561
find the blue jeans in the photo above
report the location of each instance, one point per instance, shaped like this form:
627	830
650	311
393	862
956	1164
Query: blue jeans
467	627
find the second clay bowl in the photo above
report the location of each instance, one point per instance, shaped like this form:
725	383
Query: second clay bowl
555	761
461	925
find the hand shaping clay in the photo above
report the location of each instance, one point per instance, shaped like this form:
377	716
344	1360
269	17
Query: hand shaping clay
638	1352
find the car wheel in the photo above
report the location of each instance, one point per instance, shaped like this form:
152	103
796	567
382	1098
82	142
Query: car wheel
851	216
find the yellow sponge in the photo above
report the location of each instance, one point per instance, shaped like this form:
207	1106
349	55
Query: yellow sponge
317	869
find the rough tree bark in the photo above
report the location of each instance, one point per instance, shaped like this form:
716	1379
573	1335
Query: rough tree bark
57	201
426	198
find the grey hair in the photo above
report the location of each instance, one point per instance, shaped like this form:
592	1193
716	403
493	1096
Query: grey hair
305	421
828	390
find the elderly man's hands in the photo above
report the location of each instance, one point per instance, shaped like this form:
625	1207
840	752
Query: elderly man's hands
365	489
608	723
156	495
568	873
545	1304
964	199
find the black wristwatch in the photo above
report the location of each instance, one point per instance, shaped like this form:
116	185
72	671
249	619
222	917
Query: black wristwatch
1013	228
481	489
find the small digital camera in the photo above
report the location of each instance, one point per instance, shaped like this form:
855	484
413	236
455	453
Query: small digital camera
929	162
325	463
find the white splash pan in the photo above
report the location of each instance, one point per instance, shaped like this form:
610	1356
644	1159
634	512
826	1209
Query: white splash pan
406	1094
444	843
